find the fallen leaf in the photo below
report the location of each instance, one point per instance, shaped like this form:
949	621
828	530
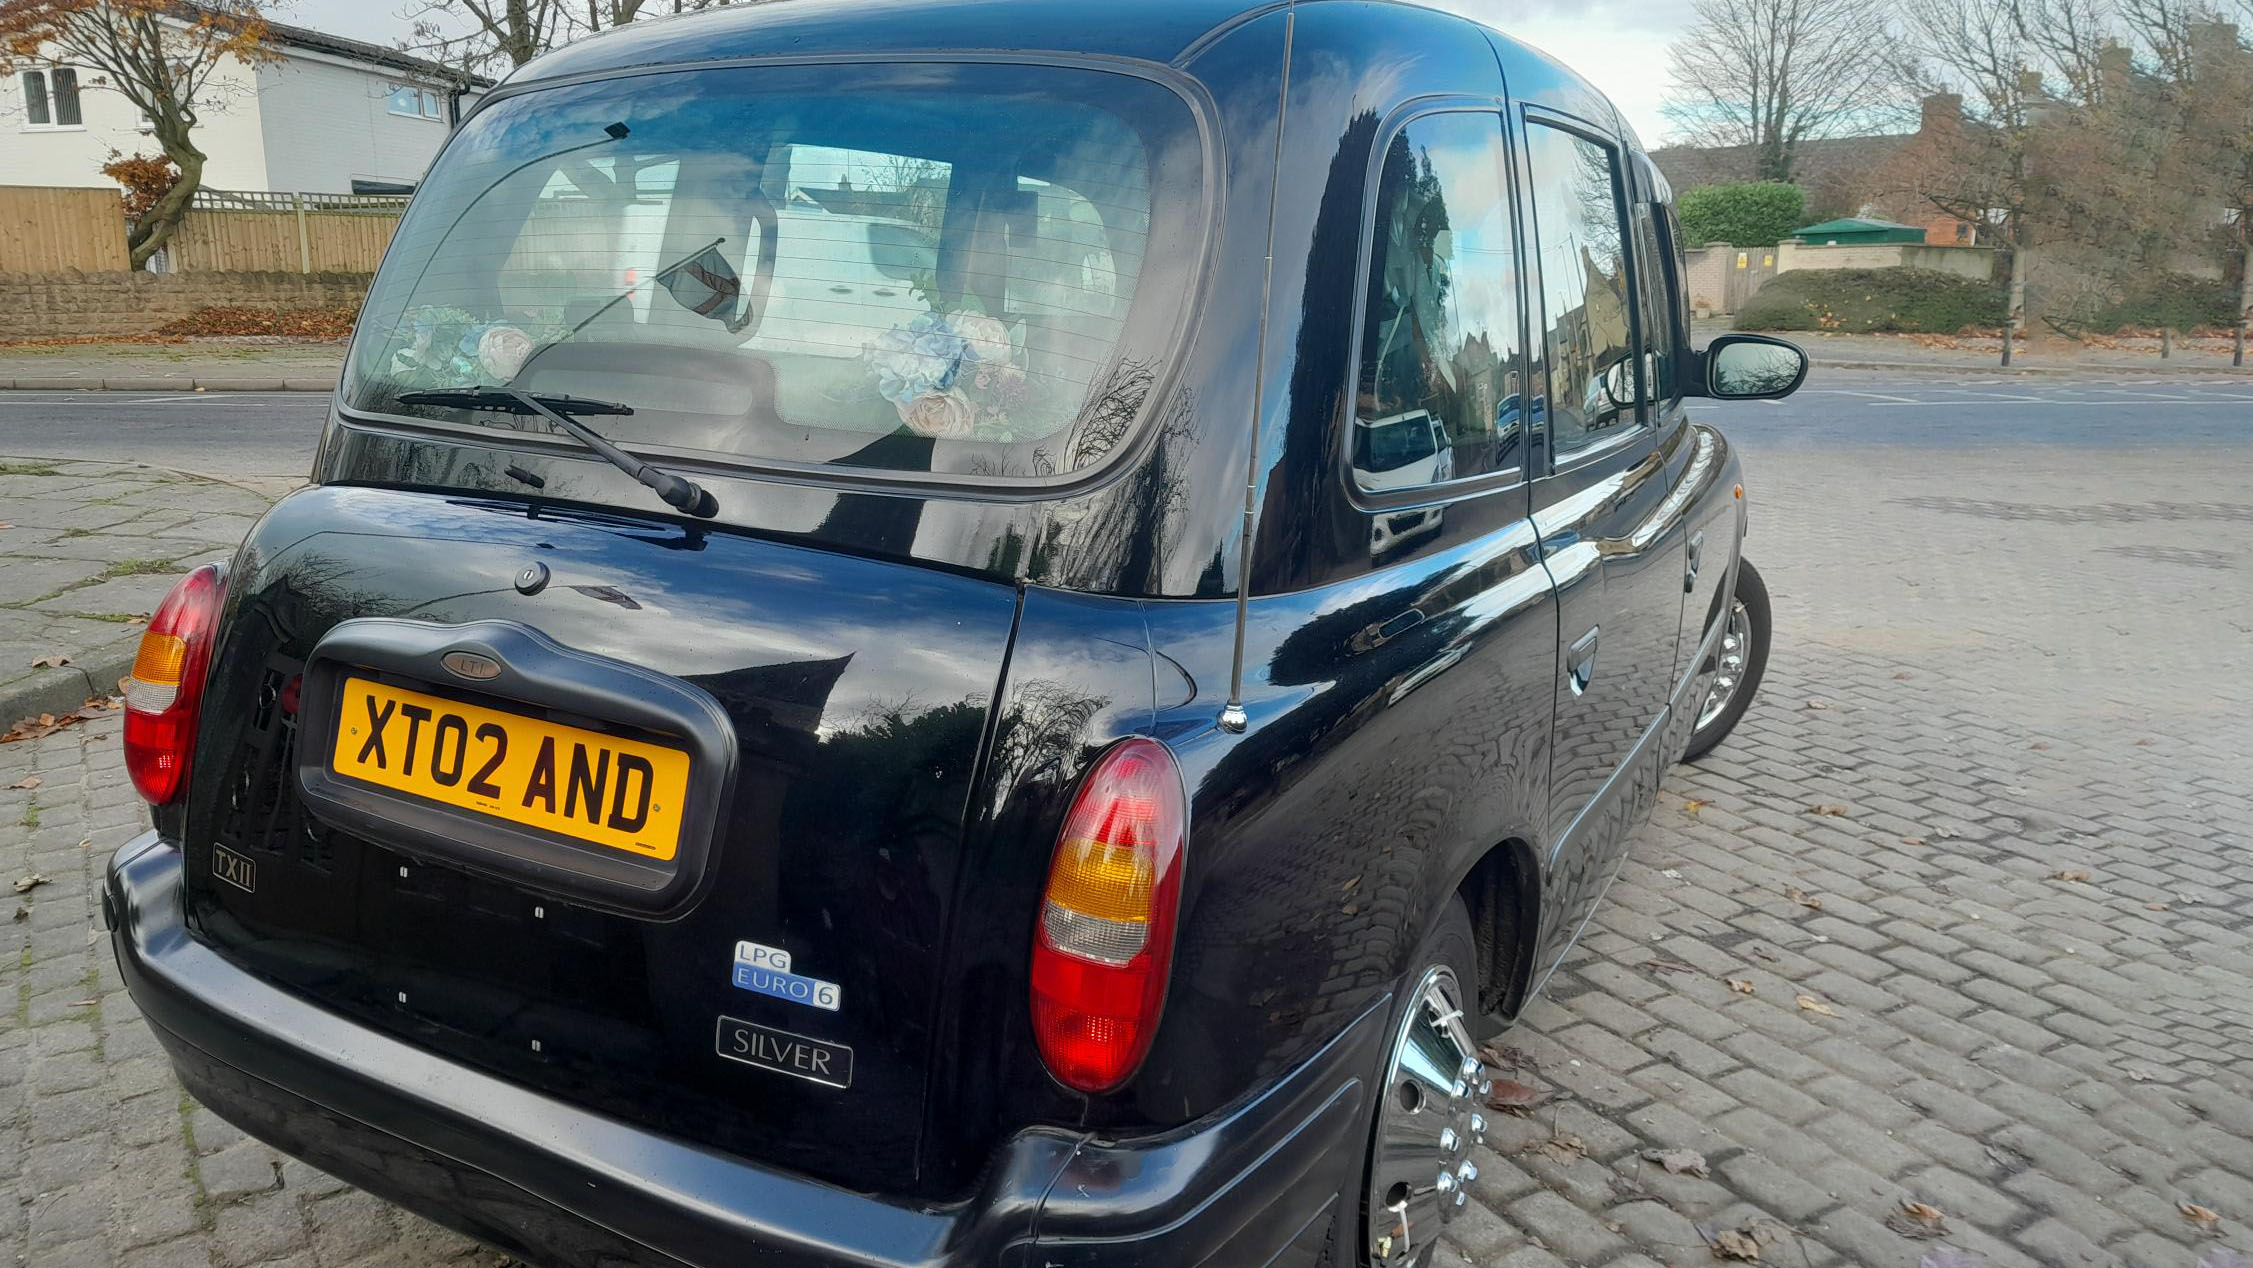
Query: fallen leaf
1501	1056
1803	898
1762	953
53	660
1678	1162
28	782
1693	805
2072	875
1813	1005
2197	1214
84	1003
1914	841
1511	1096
6	524
1741	986
2037	745
31	882
1818	704
2140	1076
2157	907
1349	884
1566	1148
1903	676
1667	966
1740	1244
1828	809
1671	873
1946	833
2146	742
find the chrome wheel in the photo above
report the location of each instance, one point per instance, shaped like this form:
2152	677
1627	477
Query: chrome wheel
1426	1125
1728	664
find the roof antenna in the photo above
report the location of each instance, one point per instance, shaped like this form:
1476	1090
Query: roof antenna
1233	716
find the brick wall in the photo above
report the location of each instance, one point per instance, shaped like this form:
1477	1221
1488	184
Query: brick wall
1976	263
43	305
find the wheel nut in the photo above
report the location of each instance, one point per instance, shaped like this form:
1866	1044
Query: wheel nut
1478	1127
1470	1066
1446	1182
1486	1087
1461	1089
1467	1172
1461	1198
1447	1140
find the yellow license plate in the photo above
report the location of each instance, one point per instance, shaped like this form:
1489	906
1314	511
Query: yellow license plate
599	788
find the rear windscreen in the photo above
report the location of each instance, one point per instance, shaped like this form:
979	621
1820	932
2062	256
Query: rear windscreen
975	269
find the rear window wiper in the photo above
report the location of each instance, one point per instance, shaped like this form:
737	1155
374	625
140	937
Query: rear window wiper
679	492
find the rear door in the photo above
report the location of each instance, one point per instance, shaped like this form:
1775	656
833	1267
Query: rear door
1608	527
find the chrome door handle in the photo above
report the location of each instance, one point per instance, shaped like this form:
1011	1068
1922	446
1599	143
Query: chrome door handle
1580	661
1697	557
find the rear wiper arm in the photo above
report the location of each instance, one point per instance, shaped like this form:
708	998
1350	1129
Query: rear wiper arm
678	492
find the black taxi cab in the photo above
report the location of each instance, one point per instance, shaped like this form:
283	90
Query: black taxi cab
953	633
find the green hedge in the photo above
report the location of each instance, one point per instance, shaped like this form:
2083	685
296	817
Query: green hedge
1750	214
2172	300
1860	301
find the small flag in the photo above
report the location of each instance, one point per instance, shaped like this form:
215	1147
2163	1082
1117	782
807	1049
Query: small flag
707	285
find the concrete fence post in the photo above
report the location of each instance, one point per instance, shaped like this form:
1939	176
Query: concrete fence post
304	237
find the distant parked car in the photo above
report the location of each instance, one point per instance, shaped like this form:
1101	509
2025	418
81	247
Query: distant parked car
904	652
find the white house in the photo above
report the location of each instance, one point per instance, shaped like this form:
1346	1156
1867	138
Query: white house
328	116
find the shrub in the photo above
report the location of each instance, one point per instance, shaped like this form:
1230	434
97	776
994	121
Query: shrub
2173	300
1859	301
1752	214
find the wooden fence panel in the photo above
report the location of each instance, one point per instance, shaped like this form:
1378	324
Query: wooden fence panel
46	230
270	242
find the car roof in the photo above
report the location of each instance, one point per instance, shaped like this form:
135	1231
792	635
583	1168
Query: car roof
1161	31
1147	30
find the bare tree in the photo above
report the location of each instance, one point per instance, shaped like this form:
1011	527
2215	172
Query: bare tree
1769	74
161	55
503	34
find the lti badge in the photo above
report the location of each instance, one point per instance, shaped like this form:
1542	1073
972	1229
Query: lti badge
766	970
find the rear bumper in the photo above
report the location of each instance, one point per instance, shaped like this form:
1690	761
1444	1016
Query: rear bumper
559	1185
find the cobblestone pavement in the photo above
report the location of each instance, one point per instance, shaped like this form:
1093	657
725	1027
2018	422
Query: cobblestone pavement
2011	978
87	550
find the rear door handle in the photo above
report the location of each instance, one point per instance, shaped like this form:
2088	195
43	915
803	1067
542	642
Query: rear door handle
1697	557
1580	661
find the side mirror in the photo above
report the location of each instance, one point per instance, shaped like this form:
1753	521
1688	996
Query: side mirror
1749	368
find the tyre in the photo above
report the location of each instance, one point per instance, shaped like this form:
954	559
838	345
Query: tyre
1426	1118
1737	666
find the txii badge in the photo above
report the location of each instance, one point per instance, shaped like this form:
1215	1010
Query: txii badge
766	970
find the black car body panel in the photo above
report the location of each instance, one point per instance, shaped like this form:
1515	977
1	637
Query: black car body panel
1382	695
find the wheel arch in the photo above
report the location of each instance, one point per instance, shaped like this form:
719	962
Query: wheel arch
1502	891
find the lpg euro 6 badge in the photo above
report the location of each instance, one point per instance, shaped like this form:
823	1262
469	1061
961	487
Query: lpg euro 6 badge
766	970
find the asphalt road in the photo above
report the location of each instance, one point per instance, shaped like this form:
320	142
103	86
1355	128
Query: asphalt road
256	434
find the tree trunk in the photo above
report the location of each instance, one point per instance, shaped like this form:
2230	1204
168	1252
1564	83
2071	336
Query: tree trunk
2015	322
157	226
2244	302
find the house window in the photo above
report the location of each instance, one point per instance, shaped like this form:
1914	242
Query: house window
50	98
417	103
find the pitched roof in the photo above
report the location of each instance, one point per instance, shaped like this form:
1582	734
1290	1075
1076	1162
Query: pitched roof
373	54
1824	167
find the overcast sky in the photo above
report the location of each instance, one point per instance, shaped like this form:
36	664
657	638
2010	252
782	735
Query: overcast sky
1620	44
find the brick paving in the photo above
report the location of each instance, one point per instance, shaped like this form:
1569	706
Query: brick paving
2031	962
87	550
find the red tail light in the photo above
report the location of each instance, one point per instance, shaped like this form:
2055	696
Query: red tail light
165	691
1105	942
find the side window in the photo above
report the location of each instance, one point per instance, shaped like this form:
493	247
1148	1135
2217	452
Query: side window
1577	212
1656	284
1440	395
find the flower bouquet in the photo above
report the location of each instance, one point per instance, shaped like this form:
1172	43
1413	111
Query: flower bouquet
953	377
